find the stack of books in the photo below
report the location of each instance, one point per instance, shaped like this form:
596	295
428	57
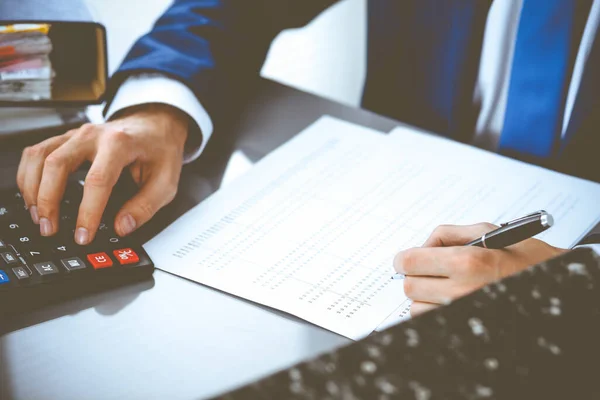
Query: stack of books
26	72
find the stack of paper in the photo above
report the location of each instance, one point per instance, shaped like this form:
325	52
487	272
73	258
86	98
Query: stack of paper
24	120
313	228
25	68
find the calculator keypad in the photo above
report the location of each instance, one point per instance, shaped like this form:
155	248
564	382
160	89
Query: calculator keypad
28	260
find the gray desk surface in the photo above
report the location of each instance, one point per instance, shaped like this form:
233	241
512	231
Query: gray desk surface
172	338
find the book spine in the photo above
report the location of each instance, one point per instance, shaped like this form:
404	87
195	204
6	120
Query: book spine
26	74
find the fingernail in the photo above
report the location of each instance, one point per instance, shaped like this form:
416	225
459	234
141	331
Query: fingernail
127	224
34	215
82	236
45	227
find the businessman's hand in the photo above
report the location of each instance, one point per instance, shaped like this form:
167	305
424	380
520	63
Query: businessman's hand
443	269
149	140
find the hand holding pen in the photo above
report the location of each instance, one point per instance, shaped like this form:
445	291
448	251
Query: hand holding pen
510	233
451	264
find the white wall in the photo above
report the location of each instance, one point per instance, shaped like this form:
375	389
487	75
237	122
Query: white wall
326	58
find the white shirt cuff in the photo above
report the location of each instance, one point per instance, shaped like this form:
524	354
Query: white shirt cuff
157	88
593	246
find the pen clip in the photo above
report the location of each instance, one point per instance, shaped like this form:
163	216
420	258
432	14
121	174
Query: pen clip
528	216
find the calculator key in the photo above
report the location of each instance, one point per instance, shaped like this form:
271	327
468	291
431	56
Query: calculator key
46	268
4	277
72	264
114	240
107	240
21	273
62	248
19	231
3	245
12	227
9	257
126	256
34	250
24	240
100	260
34	254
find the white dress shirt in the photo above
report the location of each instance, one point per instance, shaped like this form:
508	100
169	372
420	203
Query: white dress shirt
156	88
491	90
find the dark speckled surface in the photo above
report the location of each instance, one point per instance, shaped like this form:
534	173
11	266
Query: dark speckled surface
531	336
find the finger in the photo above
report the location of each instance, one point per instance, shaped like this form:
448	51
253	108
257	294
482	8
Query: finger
30	170
418	308
56	169
22	168
421	261
111	158
457	235
159	190
432	290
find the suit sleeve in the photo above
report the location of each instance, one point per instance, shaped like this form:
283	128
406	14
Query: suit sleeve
215	47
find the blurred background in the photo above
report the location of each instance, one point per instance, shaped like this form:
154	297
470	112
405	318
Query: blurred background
327	57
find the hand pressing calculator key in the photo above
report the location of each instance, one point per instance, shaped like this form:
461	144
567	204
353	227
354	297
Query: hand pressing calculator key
35	270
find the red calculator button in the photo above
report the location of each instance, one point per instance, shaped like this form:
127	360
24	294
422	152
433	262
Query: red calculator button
100	260
126	256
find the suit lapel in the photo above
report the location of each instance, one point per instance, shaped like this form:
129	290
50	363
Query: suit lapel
579	149
423	62
587	100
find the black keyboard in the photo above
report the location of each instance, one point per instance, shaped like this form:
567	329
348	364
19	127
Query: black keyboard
36	270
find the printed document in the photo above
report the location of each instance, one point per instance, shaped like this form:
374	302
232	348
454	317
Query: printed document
312	228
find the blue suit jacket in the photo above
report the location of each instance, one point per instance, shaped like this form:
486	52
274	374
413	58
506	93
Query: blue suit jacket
423	61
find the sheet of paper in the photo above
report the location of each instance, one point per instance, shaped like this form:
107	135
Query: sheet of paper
509	188
401	314
313	228
300	232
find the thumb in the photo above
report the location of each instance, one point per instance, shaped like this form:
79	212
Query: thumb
158	191
457	235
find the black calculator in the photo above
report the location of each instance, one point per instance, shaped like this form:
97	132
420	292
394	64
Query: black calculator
37	270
